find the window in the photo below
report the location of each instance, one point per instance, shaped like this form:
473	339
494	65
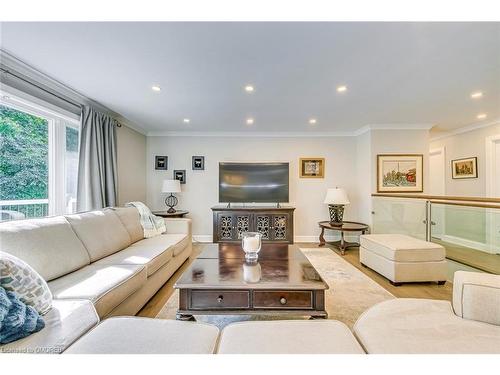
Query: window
38	160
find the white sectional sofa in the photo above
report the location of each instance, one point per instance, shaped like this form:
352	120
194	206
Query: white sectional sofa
94	262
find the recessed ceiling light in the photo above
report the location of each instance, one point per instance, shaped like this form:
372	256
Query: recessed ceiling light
481	116
249	88
312	121
250	121
476	95
156	88
341	88
186	121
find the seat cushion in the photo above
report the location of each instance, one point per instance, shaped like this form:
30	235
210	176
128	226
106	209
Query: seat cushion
148	252
402	248
66	322
49	245
130	218
288	337
101	232
134	335
105	285
421	326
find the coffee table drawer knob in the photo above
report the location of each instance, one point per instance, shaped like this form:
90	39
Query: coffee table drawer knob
283	300
219	299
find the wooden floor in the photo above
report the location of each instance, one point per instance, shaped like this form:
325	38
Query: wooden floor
414	290
470	257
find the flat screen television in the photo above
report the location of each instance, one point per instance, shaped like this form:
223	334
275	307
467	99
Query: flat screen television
253	182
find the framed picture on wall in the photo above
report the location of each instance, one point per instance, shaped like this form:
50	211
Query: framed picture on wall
198	163
312	168
161	163
400	173
464	168
180	175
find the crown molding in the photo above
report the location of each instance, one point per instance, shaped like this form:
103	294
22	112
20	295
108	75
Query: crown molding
13	63
354	133
465	129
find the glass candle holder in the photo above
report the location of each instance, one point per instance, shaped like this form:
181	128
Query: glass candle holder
251	243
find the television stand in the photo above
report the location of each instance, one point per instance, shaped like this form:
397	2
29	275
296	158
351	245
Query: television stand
275	224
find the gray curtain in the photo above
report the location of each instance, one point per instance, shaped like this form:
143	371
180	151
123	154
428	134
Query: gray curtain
97	176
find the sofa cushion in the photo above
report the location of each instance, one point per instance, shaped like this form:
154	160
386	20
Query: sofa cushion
18	277
288	337
147	336
402	248
476	296
49	245
421	326
148	252
101	232
64	324
105	285
129	216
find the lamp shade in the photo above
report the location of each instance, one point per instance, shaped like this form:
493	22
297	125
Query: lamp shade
171	186
336	196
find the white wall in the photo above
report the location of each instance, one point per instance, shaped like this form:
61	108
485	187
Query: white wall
131	154
469	144
364	176
200	192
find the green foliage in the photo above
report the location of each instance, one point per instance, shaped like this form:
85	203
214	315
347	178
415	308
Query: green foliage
24	149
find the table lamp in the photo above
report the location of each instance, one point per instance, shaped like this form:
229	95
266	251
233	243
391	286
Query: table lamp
171	186
336	199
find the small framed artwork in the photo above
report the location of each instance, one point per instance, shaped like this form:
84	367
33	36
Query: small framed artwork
312	168
400	173
180	174
464	168
161	162
198	163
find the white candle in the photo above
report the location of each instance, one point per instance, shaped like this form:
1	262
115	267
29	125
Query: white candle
250	243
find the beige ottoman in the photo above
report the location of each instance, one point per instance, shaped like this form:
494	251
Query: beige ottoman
288	337
403	259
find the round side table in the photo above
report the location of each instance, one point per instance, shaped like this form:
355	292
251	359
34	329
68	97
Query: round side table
347	226
178	213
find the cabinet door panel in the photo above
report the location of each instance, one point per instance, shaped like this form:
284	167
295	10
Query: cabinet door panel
242	225
279	227
263	225
225	224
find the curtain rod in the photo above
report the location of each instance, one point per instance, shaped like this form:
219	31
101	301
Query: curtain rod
40	88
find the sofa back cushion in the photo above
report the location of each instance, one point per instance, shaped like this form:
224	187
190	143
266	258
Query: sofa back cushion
476	296
129	216
101	232
49	245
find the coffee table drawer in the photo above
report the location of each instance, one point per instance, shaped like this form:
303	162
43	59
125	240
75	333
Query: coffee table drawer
212	299
283	299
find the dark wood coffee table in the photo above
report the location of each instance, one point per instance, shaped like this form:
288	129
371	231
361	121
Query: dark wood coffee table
219	281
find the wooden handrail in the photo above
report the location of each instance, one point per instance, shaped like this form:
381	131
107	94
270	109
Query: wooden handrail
438	197
465	204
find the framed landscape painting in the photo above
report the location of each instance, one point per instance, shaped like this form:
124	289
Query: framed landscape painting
464	168
400	173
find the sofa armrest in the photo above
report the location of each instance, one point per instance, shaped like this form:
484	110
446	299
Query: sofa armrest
476	296
178	226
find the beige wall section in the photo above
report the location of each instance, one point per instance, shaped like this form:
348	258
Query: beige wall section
469	144
200	192
131	153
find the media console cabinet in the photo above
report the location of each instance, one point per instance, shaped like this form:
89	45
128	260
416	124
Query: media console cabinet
274	223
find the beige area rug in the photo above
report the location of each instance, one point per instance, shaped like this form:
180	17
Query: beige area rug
351	292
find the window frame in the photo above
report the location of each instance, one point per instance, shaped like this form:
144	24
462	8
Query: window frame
56	124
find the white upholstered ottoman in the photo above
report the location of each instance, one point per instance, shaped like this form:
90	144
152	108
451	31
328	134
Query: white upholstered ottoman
403	259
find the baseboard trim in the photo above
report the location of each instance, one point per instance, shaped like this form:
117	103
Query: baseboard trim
467	243
206	238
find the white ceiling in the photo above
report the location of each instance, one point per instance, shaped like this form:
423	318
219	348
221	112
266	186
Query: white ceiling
396	73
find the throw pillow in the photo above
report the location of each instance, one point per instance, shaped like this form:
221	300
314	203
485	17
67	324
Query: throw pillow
17	276
17	320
